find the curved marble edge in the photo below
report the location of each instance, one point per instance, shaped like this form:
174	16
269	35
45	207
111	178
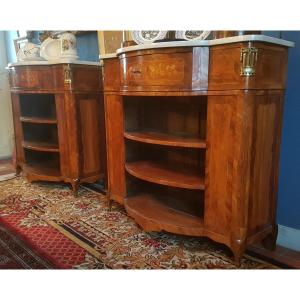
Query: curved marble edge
52	62
108	55
234	39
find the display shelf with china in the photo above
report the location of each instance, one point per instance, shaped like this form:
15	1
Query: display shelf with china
59	121
193	135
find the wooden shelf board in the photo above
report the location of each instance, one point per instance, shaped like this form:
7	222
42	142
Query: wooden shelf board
41	146
38	120
165	139
45	169
166	174
153	213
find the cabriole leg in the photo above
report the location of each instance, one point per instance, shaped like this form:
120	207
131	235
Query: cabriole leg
238	248
75	186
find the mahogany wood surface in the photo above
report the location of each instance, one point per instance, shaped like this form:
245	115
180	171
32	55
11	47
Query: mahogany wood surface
162	173
158	138
41	146
165	69
38	120
114	124
51	78
59	109
155	214
162	104
224	68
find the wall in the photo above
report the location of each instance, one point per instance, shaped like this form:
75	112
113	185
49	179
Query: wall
289	180
288	212
6	125
10	47
87	46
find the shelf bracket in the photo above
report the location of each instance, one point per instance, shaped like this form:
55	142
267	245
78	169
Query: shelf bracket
248	61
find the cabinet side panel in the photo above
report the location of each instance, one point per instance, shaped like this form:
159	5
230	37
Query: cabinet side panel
111	75
72	137
219	163
89	106
63	135
264	167
115	146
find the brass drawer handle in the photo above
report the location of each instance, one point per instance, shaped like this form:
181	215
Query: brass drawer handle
248	59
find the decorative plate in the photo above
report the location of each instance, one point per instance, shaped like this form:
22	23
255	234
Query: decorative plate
51	49
148	36
192	35
30	52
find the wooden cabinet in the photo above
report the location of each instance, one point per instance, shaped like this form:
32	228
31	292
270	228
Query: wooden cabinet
59	122
193	137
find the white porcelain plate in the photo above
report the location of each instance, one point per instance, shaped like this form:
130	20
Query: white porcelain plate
51	49
192	35
147	36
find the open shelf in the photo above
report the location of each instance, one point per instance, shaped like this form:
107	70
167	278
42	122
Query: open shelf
42	163
166	174
166	120
41	146
152	137
42	169
156	212
43	134
165	143
38	106
37	120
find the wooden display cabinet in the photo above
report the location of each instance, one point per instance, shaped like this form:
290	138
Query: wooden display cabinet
193	136
59	122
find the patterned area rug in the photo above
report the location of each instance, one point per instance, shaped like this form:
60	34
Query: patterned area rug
15	254
82	233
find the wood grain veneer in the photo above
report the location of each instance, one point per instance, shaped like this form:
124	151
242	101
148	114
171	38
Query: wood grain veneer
58	110
172	113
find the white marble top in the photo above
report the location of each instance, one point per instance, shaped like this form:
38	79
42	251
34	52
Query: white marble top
53	62
108	55
207	43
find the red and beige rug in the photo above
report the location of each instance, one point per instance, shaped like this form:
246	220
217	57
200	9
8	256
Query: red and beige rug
64	232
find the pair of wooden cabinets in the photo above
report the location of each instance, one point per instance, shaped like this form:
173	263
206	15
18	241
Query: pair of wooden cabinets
191	139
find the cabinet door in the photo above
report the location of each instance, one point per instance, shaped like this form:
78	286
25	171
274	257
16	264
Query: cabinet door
114	120
220	162
92	128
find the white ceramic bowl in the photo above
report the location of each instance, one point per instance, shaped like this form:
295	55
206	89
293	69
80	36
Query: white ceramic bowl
30	52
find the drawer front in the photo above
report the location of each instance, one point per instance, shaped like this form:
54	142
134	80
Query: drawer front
157	72
32	77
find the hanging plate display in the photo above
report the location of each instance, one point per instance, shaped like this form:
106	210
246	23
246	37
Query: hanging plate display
192	35
147	36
